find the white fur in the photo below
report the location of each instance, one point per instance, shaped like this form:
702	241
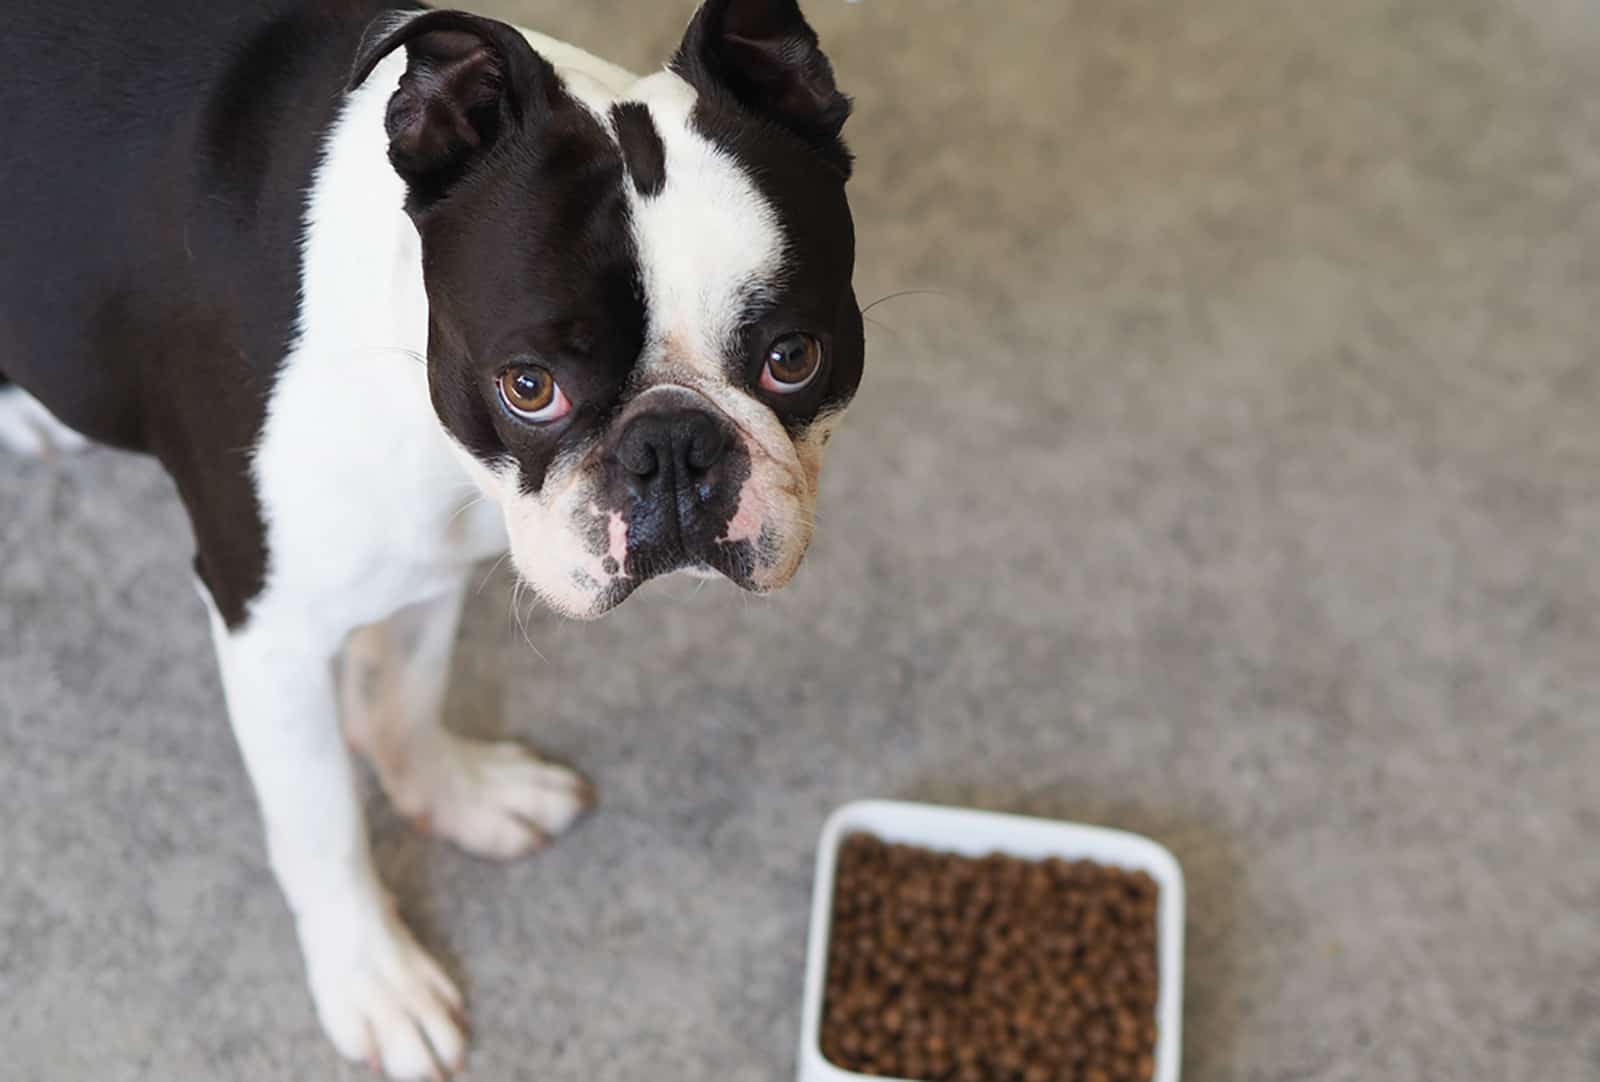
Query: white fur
492	799
708	243
28	428
376	991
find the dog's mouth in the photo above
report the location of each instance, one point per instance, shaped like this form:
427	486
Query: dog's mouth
736	561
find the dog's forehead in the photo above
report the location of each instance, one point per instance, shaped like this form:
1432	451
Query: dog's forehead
709	244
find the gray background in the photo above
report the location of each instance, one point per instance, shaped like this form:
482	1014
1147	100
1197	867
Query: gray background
1242	488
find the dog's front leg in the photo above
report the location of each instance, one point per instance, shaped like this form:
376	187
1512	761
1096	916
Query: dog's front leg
492	798
380	997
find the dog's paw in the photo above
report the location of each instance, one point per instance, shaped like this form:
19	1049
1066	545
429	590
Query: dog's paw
495	800
27	428
381	998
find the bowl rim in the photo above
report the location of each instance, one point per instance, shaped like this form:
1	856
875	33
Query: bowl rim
976	832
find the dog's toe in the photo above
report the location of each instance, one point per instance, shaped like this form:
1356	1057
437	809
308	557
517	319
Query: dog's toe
381	998
496	800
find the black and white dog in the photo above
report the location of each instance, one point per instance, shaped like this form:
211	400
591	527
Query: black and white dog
345	267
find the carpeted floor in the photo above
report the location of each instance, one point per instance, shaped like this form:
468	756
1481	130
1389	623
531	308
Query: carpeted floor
1240	486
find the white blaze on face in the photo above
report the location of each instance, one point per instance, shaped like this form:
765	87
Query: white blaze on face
711	247
708	242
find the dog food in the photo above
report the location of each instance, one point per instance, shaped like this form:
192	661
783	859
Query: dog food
944	968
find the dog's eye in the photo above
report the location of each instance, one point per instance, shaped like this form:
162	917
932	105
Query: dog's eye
532	394
793	361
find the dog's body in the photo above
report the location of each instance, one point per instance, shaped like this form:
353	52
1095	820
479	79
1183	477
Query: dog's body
492	265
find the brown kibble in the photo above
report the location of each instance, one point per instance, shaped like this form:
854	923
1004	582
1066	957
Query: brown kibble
949	969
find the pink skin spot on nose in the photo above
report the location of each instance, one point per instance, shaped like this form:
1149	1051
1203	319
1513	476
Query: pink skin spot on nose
746	522
618	549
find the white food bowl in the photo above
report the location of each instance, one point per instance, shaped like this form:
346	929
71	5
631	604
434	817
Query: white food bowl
976	834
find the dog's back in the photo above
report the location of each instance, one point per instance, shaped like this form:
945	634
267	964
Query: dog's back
162	153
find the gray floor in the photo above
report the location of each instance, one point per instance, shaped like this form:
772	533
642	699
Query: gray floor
1242	487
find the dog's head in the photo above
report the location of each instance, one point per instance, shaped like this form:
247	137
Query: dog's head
642	329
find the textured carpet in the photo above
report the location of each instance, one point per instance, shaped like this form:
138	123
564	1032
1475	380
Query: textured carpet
1241	486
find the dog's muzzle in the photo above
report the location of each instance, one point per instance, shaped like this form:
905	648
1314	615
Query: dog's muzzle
677	472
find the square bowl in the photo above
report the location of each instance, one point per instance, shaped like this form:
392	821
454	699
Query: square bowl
976	834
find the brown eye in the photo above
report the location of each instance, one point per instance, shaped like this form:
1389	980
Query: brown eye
532	394
792	362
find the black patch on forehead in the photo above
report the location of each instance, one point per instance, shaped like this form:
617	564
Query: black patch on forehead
642	150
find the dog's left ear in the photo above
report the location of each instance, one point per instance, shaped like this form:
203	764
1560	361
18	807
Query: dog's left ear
767	56
468	82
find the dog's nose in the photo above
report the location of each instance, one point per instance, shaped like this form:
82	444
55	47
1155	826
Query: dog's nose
676	471
672	453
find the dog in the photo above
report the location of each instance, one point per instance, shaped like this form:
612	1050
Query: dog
388	291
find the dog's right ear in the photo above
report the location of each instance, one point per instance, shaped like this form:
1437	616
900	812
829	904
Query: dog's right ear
469	82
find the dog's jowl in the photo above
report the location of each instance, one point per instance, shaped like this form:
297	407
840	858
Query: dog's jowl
344	268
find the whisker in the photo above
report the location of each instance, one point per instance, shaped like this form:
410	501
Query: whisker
464	508
504	556
881	325
519	618
905	293
522	625
403	351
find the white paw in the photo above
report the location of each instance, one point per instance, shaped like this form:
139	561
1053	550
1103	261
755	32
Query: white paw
27	428
497	800
381	999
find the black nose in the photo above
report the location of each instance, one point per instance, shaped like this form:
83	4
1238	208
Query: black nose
676	474
667	450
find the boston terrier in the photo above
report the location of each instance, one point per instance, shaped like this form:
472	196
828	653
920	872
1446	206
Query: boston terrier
390	290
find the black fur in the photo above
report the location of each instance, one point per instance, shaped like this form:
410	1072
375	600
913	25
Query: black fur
154	182
764	56
525	234
641	145
469	81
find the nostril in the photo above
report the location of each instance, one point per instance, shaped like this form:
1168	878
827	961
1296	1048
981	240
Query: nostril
638	457
706	446
670	449
639	451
